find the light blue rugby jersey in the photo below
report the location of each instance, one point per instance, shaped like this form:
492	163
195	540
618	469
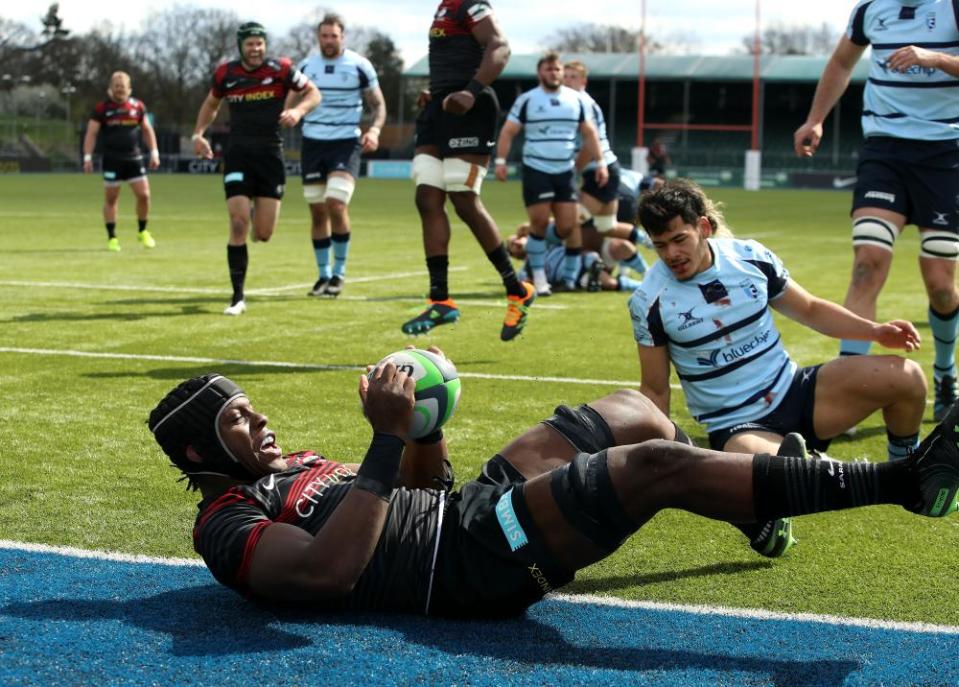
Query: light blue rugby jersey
597	115
550	124
919	104
720	332
342	82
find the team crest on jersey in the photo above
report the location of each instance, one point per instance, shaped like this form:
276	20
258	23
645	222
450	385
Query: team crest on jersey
554	102
749	289
329	68
931	21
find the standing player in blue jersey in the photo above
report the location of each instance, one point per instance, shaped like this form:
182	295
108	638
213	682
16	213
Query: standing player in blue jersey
118	121
255	88
705	308
552	116
455	133
332	144
909	162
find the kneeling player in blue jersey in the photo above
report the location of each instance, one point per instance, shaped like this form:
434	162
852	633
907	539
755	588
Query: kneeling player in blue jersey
705	308
389	534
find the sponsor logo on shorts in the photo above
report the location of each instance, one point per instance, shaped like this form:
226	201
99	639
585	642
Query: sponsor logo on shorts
508	522
546	194
940	218
881	195
540	578
465	142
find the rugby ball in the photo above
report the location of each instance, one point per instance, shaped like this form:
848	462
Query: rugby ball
437	388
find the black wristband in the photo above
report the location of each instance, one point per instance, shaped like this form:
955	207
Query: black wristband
431	438
474	87
377	473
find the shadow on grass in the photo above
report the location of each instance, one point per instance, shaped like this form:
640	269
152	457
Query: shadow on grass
186	310
227	369
209	621
608	584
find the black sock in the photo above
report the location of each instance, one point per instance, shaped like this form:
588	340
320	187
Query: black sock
237	258
111	230
438	265
142	224
785	486
500	259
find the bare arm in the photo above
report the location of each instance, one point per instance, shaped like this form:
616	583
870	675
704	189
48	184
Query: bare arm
911	56
505	142
593	148
654	384
204	118
836	321
832	84
309	98
496	54
370	140
150	138
89	143
289	563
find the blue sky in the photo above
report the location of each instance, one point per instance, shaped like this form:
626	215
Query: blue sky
709	27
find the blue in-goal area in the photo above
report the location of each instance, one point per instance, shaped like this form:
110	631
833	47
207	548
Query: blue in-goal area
79	620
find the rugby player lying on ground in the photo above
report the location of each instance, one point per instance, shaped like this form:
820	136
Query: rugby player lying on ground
389	534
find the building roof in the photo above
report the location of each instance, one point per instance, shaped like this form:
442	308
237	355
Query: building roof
625	67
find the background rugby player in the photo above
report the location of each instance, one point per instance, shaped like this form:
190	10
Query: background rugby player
908	170
118	121
455	133
389	535
255	88
332	144
552	116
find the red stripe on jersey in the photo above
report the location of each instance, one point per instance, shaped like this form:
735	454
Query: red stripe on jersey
228	499
243	574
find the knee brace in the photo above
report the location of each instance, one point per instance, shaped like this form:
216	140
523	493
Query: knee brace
874	231
604	251
604	223
340	188
314	193
939	244
585	495
428	171
583	214
460	175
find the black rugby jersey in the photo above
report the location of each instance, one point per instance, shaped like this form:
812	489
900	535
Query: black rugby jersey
305	495
256	99
455	54
120	127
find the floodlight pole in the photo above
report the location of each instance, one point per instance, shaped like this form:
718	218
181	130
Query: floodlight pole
757	49
641	104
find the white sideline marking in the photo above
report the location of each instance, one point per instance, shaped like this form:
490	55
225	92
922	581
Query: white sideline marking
583	599
269	291
307	366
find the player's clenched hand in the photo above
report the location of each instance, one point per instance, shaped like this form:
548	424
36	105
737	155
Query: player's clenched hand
87	166
898	334
290	118
388	399
423	98
806	139
201	148
501	172
911	56
602	176
459	102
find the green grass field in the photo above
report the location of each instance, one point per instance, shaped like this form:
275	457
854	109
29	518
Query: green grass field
78	466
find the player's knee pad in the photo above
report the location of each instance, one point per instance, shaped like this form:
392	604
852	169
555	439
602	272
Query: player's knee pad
340	188
460	175
428	171
604	223
605	251
875	232
314	193
584	492
939	244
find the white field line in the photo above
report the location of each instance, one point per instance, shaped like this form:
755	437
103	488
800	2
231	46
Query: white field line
584	599
270	291
306	366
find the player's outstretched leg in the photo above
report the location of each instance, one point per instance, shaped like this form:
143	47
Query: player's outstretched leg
936	464
775	537
516	311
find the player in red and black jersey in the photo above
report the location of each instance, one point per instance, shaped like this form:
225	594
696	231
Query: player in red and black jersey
255	89
118	121
388	534
455	133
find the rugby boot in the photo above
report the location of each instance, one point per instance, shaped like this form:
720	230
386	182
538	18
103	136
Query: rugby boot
516	310
335	287
235	309
935	463
319	288
146	239
113	245
775	537
945	396
436	313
